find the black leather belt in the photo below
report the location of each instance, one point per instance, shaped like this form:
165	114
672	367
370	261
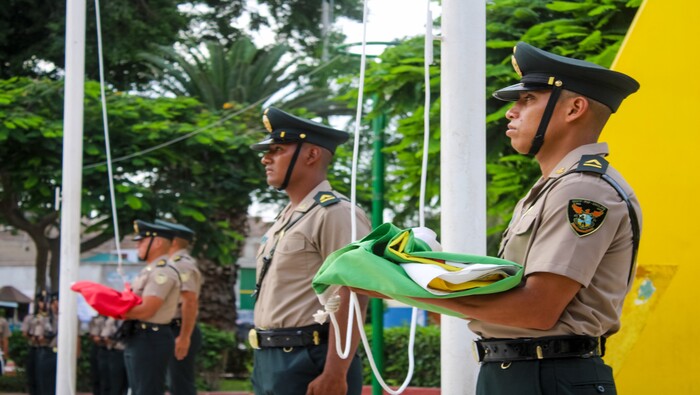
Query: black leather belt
312	335
176	322
506	350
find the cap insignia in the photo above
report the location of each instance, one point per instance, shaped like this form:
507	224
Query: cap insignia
515	65
267	123
282	133
585	216
302	136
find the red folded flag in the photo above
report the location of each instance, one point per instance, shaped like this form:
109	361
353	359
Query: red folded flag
105	300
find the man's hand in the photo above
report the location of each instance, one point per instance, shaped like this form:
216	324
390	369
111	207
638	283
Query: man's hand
182	346
328	384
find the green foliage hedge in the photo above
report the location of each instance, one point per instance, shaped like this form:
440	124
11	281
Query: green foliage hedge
426	356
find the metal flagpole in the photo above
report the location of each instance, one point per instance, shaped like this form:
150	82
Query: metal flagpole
71	196
463	168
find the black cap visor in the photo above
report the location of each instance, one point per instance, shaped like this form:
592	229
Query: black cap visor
512	93
263	145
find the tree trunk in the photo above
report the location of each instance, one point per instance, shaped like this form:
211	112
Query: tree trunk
55	266
217	305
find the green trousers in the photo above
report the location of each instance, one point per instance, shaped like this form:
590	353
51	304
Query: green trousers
566	376
276	372
181	374
146	358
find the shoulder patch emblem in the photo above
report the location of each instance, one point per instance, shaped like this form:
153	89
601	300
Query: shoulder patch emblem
326	198
161	278
585	216
592	163
161	263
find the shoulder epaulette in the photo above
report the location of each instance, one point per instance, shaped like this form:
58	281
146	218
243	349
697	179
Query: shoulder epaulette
592	164
161	263
326	198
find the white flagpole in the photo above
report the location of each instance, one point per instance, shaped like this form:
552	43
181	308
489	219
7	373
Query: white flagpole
70	201
463	168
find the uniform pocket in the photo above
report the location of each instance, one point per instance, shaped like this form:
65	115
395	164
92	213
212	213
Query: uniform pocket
524	225
292	244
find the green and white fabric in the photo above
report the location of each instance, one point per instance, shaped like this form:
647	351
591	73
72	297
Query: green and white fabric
400	265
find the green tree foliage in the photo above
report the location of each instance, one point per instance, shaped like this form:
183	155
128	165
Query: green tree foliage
32	32
217	75
588	29
200	174
32	37
296	22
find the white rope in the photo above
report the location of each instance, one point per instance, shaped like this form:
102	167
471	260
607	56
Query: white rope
115	221
343	353
333	303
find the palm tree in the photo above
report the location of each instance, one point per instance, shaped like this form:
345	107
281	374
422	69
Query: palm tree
216	75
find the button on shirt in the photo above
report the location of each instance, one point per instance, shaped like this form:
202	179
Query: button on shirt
541	238
286	299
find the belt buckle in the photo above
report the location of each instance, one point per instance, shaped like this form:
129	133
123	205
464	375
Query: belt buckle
317	338
253	339
475	352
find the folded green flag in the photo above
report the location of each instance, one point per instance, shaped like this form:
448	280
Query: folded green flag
375	263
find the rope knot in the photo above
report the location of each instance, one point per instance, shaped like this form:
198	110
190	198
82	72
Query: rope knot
332	305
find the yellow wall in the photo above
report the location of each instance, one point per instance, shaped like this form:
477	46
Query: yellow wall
655	142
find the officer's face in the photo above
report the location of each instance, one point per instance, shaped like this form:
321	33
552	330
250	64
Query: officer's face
525	116
142	248
276	161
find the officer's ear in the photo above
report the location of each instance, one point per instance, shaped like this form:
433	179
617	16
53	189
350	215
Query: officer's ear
576	106
313	154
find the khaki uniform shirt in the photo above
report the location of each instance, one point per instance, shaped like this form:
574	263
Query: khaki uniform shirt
542	238
160	280
190	276
41	329
96	324
109	329
4	328
286	299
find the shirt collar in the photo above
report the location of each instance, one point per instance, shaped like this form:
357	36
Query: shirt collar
308	200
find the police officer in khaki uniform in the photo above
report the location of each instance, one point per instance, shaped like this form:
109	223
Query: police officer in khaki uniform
28	328
294	355
188	337
114	357
98	363
150	342
46	332
576	233
5	334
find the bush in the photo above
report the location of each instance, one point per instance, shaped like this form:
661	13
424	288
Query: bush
426	372
19	348
222	353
